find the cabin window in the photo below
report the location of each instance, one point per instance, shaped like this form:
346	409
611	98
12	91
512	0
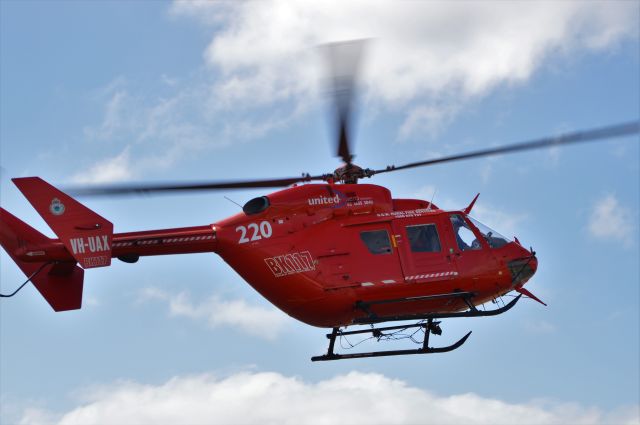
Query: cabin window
423	238
377	241
465	237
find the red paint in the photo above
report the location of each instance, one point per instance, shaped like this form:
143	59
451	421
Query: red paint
306	255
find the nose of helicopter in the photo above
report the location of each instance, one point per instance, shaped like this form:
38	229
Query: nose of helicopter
523	268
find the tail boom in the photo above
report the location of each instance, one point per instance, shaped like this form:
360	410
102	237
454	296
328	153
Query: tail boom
186	240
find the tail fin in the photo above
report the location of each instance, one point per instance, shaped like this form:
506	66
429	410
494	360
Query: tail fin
60	284
85	234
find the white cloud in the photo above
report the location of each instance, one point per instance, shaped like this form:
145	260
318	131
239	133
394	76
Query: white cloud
503	221
271	398
463	49
611	221
117	168
217	312
427	119
264	68
115	116
159	132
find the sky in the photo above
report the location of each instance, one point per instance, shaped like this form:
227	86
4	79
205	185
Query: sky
100	92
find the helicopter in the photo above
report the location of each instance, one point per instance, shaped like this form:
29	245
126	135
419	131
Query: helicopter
326	249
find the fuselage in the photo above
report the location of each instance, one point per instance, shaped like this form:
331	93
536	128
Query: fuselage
314	251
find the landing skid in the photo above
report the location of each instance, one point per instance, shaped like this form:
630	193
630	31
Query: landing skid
429	327
424	350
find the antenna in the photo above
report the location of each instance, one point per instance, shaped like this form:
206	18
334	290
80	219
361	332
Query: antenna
431	201
233	202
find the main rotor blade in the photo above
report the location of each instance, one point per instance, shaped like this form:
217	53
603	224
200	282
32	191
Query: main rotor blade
344	60
617	130
152	188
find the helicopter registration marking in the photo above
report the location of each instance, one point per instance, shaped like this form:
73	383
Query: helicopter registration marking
296	262
97	243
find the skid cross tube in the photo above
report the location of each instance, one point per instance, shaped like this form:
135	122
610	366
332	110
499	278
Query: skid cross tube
424	350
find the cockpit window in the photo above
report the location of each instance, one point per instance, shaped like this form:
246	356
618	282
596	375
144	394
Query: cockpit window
493	238
377	241
423	238
465	237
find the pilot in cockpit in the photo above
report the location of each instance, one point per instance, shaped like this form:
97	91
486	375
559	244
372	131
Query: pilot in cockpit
460	226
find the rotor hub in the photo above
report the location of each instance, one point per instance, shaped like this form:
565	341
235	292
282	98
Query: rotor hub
348	174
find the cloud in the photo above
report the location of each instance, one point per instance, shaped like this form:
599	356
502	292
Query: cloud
217	312
503	221
262	68
427	119
114	114
455	50
272	398
508	222
156	133
117	168
611	221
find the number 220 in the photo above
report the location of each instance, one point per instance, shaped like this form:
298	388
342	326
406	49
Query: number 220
257	231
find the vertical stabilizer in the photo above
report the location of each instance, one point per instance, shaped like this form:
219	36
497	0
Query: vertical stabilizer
60	284
85	234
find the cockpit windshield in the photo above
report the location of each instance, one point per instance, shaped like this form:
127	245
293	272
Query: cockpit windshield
493	238
465	237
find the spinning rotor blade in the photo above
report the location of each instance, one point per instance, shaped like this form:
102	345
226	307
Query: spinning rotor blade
617	130
344	59
141	189
612	131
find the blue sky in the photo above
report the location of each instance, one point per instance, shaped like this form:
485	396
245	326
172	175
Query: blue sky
118	91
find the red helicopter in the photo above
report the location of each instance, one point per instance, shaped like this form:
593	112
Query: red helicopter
333	254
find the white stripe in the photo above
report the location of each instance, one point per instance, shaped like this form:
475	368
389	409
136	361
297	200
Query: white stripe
366	284
389	281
